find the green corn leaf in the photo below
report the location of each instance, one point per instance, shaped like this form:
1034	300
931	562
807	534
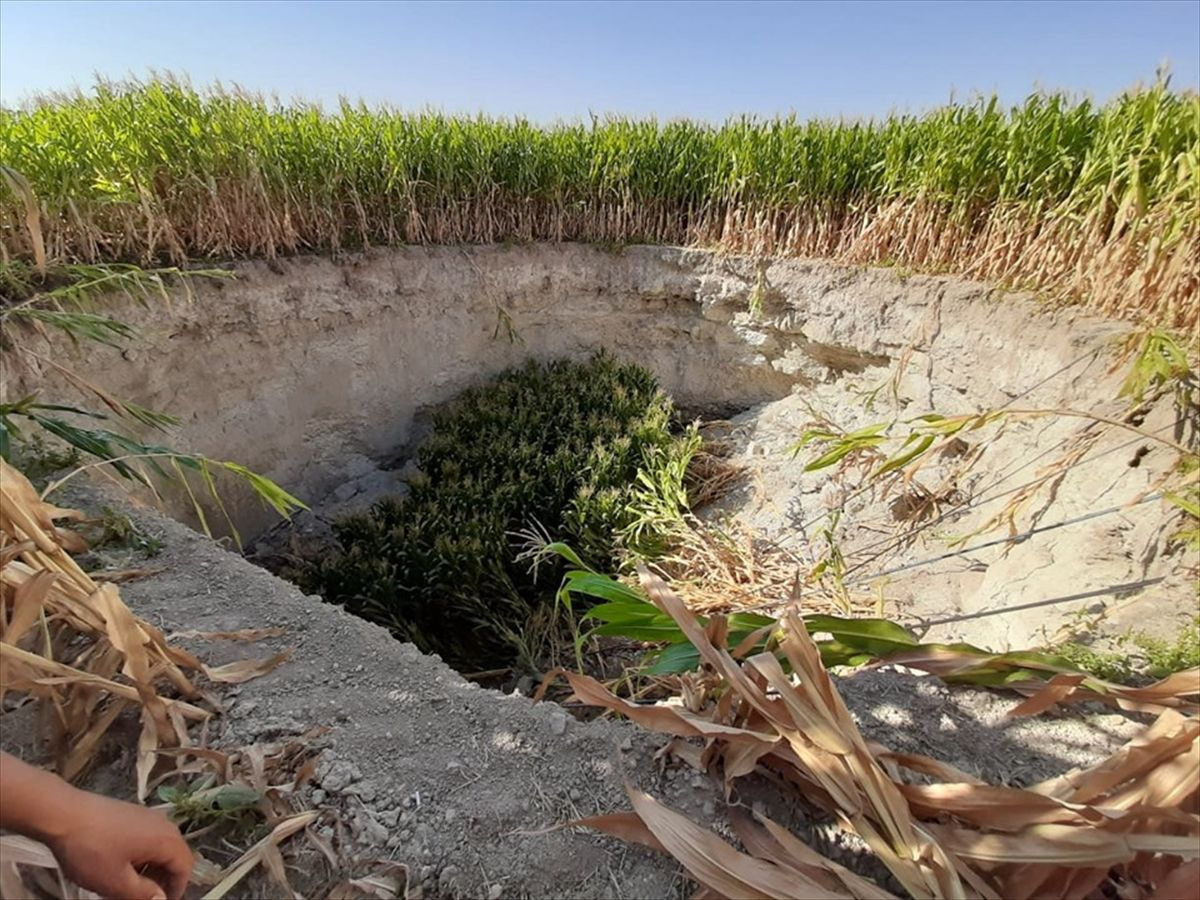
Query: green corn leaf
900	460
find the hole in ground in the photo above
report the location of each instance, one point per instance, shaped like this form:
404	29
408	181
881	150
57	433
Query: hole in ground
322	375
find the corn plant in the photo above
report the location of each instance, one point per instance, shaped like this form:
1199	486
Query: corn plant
1084	201
562	450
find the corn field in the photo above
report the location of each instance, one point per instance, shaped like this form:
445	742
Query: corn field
1082	202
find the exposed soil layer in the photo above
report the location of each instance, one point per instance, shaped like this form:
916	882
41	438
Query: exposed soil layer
317	372
320	374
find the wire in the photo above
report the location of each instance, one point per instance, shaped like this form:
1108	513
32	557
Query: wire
803	526
895	540
1014	539
1126	588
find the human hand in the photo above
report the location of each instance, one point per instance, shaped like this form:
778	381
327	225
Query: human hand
121	850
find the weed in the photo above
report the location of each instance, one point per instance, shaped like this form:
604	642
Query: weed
1108	665
40	457
203	803
1141	655
1164	657
116	530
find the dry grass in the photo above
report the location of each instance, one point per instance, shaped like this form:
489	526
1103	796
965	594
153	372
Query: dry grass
72	644
1127	827
69	644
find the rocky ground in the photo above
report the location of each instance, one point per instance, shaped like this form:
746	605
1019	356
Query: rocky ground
466	786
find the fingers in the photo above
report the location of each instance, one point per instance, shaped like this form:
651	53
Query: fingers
177	880
133	886
173	861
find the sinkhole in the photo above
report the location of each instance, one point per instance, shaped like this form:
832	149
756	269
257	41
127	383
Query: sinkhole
328	377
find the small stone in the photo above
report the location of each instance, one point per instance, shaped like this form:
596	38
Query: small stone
710	809
495	892
450	815
393	842
372	831
626	745
365	791
390	818
277	727
338	776
575	795
345	491
318	797
446	879
558	723
244	709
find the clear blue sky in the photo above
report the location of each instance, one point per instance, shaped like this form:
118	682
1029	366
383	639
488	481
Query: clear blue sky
552	60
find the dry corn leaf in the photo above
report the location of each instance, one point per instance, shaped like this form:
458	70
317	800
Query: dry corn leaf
925	765
714	863
1058	839
22	851
47	672
205	872
85	744
255	855
1170	735
1179	884
628	826
126	635
246	635
17	850
272	861
122	576
27	603
245	669
800	853
1062	845
388	882
761	843
1056	691
999	808
323	846
1179	691
665	719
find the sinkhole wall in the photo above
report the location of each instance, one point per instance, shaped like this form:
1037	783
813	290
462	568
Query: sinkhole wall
317	372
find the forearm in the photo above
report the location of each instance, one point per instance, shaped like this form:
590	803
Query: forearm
33	802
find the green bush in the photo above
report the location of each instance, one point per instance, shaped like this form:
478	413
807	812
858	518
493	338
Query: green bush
557	447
